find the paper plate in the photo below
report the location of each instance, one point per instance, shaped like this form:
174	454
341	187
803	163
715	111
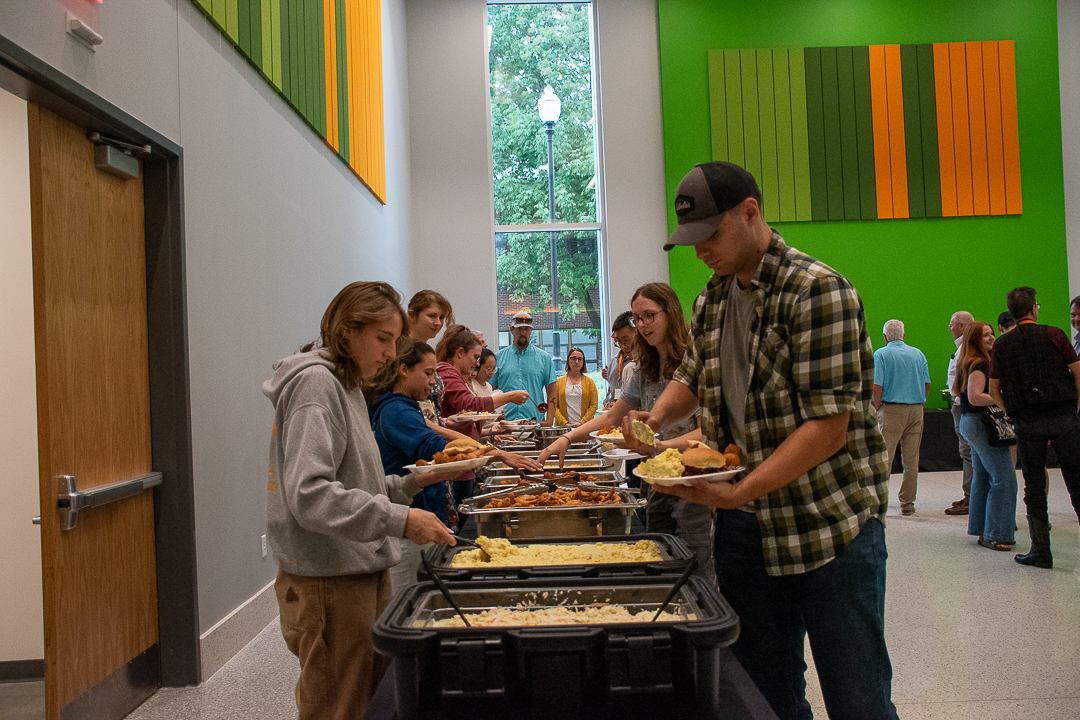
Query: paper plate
456	466
711	477
483	417
621	454
603	438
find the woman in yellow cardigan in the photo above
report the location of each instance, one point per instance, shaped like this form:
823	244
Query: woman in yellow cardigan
576	392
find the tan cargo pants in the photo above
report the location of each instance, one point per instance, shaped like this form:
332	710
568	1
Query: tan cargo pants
327	624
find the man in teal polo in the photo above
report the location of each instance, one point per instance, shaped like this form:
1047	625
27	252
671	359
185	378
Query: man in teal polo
901	386
523	366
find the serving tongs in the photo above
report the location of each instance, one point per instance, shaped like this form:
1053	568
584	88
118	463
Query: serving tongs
472	543
443	589
690	568
552	485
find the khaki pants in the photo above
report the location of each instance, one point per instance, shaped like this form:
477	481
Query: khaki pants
327	623
903	424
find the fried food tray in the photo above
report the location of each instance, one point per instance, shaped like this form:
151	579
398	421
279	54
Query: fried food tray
604	478
675	557
451	672
538	522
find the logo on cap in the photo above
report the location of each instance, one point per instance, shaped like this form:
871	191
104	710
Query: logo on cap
684	205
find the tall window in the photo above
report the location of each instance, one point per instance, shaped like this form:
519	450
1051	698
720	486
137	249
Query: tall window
541	54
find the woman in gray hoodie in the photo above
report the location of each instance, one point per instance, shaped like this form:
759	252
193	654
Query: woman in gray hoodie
333	517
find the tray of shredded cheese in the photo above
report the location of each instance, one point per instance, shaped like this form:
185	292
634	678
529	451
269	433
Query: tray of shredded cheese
583	642
614	555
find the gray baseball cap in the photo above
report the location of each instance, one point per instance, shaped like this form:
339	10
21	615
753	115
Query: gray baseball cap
707	192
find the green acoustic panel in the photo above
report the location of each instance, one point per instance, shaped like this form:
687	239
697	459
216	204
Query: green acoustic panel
849	137
287	29
815	127
275	43
343	87
207	6
830	106
928	122
800	139
232	17
864	122
733	88
322	78
785	155
770	183
221	15
751	118
909	69
243	26
717	105
255	29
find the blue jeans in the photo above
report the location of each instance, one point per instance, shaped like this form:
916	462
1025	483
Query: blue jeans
1033	430
840	605
992	505
690	522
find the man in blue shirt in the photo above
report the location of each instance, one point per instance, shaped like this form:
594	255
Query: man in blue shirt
523	366
901	386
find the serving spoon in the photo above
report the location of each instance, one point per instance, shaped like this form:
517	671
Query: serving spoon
690	568
444	590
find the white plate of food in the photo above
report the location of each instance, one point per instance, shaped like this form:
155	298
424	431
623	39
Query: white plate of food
455	466
465	417
685	479
621	454
611	436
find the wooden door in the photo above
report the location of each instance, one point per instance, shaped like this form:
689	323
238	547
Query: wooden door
100	598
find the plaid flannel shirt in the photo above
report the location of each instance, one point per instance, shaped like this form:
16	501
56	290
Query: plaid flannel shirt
810	357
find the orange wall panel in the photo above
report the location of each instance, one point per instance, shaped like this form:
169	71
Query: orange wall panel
995	159
894	91
980	183
1010	130
961	130
946	154
879	105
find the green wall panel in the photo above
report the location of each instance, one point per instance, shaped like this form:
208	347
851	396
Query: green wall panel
800	139
770	181
909	268
928	123
733	87
909	69
815	127
718	105
830	106
864	122
751	125
785	148
849	136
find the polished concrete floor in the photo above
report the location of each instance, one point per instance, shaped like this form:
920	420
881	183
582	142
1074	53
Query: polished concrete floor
971	633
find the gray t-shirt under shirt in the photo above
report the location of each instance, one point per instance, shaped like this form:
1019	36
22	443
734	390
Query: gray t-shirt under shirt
735	359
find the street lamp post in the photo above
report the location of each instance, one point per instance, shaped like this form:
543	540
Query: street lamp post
550	107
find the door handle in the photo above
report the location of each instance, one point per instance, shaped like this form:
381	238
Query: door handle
35	520
70	501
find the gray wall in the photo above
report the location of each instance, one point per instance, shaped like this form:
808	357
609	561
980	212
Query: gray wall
453	212
1068	62
275	226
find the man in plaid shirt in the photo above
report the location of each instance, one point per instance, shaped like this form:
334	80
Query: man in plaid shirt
781	364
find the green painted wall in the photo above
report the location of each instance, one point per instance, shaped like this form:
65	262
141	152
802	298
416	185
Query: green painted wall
919	271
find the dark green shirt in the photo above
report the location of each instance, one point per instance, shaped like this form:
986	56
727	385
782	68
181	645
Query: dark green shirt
810	357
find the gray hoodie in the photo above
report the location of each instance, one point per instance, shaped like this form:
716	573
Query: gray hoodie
330	510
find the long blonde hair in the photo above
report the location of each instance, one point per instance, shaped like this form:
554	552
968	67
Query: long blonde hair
356	306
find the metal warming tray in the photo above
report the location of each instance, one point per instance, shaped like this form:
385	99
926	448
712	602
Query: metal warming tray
577	463
675	558
535	522
530	447
671	669
606	478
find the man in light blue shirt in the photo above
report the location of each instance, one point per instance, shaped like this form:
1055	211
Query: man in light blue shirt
523	366
901	386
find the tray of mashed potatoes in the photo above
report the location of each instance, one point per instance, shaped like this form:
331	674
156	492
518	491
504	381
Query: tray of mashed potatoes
593	637
616	555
